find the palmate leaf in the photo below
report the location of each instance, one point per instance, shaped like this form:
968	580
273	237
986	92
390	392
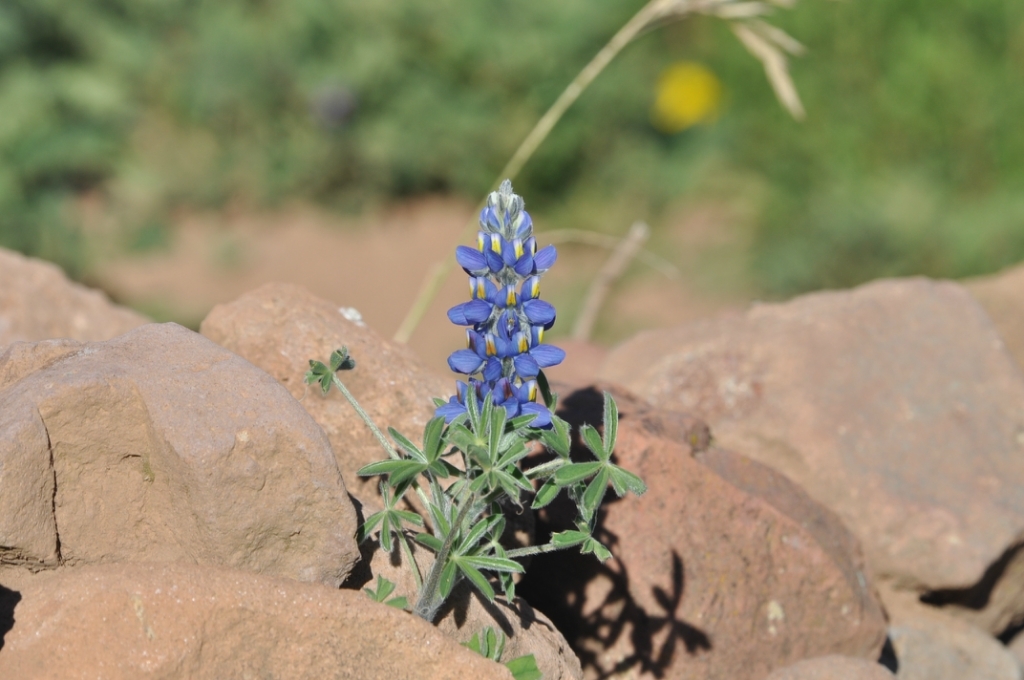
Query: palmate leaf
319	373
624	480
385	588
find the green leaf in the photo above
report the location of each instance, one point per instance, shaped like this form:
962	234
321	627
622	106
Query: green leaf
524	668
318	372
438	401
592	545
448	579
495	643
473	411
432	542
521	421
433	444
557	438
464	439
383	467
385	534
593	441
624	479
474	644
370	524
611	422
477	578
399	602
514	454
494	435
547	493
492	563
567	539
410	517
477	532
575	472
594	494
409	447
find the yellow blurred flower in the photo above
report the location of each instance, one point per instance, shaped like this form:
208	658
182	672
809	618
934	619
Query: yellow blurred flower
688	93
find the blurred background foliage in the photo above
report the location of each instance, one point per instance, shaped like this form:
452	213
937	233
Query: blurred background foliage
909	160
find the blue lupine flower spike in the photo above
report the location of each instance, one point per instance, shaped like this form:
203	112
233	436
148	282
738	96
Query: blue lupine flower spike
505	315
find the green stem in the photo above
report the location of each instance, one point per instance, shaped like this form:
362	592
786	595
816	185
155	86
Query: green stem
652	11
428	602
366	419
535	550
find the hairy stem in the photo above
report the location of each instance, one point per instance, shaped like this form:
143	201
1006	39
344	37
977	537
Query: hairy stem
366	419
535	550
429	600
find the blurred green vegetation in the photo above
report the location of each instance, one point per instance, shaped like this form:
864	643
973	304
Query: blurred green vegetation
910	160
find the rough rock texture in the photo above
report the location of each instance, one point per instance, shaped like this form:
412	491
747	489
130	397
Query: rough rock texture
181	621
280	327
161	446
931	644
832	668
528	631
1002	296
37	302
895	404
723	569
931	651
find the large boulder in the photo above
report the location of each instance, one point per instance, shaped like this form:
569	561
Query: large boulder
895	404
161	446
172	622
723	569
832	668
280	327
37	302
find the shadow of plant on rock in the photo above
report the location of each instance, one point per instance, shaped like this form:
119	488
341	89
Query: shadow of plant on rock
612	628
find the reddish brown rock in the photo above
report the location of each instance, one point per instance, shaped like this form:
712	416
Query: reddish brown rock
161	446
280	327
1002	296
895	404
37	302
723	569
832	668
179	621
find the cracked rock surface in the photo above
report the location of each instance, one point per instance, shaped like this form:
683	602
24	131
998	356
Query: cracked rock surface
161	446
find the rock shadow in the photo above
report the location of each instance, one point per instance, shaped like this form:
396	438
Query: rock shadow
9	599
652	634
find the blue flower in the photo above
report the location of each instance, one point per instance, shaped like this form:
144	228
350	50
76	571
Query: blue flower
505	316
